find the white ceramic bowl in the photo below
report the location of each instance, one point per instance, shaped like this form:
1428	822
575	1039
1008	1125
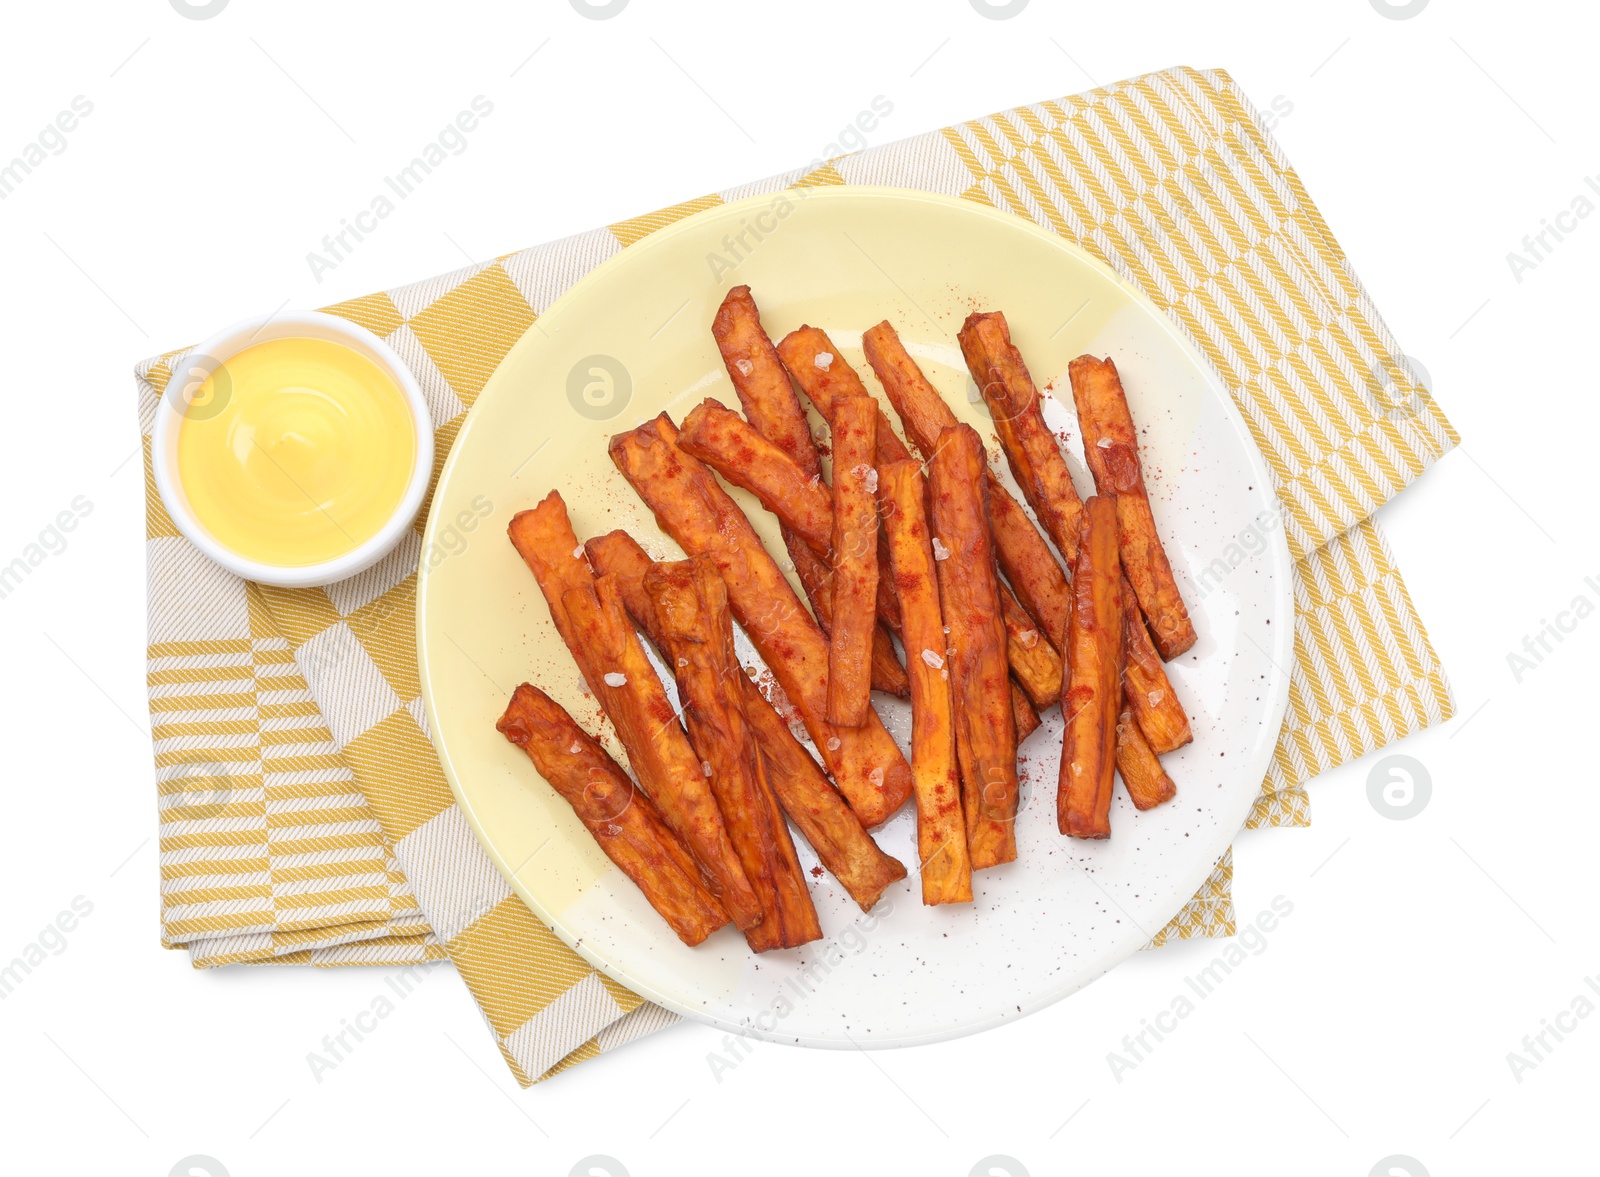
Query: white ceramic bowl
217	350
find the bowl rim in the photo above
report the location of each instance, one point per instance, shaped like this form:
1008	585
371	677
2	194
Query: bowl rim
229	342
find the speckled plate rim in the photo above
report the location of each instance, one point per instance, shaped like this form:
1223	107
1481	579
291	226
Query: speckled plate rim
1276	553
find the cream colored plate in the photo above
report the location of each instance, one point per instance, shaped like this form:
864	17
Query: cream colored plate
632	339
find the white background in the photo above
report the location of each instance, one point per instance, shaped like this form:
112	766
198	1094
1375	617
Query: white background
1377	1019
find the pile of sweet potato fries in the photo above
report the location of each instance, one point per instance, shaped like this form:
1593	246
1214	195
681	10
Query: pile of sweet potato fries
925	580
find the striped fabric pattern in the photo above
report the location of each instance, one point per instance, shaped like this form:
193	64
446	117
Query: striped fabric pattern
1209	913
304	817
1173	181
268	848
1364	674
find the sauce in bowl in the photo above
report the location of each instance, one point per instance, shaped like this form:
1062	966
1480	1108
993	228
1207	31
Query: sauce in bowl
296	451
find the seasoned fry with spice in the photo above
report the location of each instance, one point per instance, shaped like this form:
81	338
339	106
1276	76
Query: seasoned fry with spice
625	823
618	672
816	579
1037	665
773	409
1035	662
825	377
1154	703
1022	553
692	507
941	826
855	560
814	805
921	409
618	555
1001	610
843	846
1146	781
1024	713
733	447
1091	698
768	399
1030	566
1111	449
1031	450
1039	468
544	538
969	591
691	607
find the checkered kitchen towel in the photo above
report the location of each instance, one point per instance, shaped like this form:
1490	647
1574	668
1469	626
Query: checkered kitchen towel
303	814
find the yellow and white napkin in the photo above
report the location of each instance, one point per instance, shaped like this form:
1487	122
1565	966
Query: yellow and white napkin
304	817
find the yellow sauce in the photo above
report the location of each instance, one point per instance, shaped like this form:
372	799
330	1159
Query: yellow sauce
296	451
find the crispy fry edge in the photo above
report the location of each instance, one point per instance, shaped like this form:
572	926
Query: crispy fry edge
691	605
1111	450
816	808
622	819
855	560
986	742
941	823
1091	699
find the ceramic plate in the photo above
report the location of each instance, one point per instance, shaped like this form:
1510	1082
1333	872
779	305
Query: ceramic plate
632	339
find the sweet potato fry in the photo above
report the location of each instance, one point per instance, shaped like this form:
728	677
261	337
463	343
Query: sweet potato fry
1031	450
816	578
1147	783
986	734
941	827
618	555
773	409
691	606
1037	665
1111	449
1029	565
855	560
1041	471
1154	703
692	507
804	506
544	539
1091	697
1024	713
1035	662
768	399
922	411
625	823
1039	468
735	449
1022	553
763	387
842	844
815	806
825	377
620	675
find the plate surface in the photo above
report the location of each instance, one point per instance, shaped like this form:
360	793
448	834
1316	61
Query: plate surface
633	339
